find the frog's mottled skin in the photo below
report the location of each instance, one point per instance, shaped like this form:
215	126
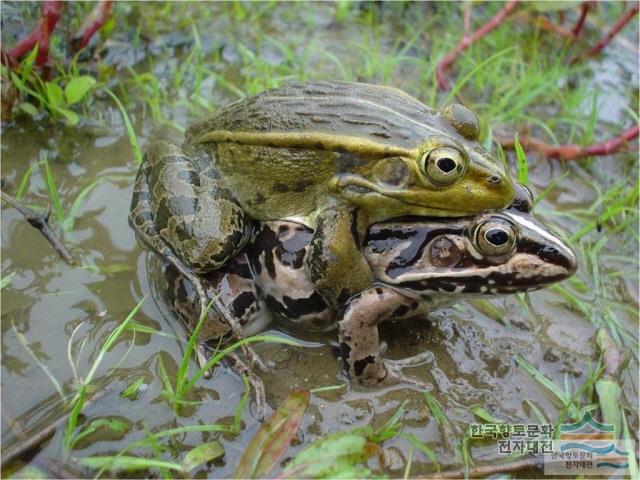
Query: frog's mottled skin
334	156
418	264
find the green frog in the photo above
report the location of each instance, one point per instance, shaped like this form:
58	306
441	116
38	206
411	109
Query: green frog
333	156
418	264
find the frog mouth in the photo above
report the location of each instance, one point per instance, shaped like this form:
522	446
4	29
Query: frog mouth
495	281
353	187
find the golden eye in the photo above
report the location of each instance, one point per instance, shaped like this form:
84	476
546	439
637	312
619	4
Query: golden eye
443	165
495	237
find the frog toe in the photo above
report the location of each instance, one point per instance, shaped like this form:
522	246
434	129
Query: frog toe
395	376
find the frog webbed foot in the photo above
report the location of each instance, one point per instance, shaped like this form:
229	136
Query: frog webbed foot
395	376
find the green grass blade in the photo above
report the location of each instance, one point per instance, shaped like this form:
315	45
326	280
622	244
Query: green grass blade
219	356
131	133
111	340
72	422
127	463
544	381
23	341
77	203
237	419
56	205
181	376
24	181
521	159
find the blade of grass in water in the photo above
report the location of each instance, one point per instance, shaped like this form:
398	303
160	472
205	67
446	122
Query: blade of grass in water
111	339
56	205
237	419
131	133
127	463
24	182
23	341
219	356
544	381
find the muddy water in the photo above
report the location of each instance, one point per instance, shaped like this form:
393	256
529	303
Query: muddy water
62	311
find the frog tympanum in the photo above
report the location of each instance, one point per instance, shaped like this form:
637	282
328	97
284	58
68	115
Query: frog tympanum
333	156
418	264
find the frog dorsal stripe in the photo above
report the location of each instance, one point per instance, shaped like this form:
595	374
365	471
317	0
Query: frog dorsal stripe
345	101
310	141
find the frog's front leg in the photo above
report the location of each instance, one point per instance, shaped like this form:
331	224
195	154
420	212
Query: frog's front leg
359	340
334	261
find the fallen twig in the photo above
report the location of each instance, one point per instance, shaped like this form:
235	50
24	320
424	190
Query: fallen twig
41	222
468	40
606	39
484	470
572	151
19	448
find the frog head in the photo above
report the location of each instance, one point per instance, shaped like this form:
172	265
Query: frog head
491	253
448	174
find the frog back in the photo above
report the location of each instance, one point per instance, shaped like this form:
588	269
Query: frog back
383	117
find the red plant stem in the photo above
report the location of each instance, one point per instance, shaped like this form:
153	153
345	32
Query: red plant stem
577	28
572	151
94	21
468	40
40	35
604	41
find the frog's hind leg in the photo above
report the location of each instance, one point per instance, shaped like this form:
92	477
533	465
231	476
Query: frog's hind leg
168	203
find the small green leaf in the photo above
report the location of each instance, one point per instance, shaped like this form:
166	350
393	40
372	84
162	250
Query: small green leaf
17	81
132	390
108	423
28	472
202	454
78	87
69	115
29	109
54	94
269	444
334	456
6	280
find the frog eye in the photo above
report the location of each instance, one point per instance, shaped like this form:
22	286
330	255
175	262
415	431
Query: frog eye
495	237
443	165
